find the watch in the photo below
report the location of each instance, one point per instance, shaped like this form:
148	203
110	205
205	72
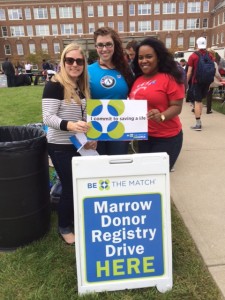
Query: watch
163	118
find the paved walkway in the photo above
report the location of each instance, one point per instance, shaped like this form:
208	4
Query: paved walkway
198	188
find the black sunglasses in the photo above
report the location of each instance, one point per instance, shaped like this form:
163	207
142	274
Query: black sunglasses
70	61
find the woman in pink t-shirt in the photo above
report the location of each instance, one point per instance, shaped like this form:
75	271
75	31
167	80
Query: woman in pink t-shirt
161	83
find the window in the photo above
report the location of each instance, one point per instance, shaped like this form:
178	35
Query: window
144	26
27	13
132	26
156	25
90	11
30	30
15	14
168	42
193	23
205	23
144	9
101	24
78	12
42	30
222	37
4	31
119	10
44	47
156	9
91	27
180	42
79	28
120	27
7	49
54	29
17	31
132	10
180	24
110	10
100	11
218	20
56	47
2	14
223	17
111	25
205	6
217	38
32	48
65	12
193	7
67	29
53	12
169	8
19	48
192	42
40	13
181	7
169	25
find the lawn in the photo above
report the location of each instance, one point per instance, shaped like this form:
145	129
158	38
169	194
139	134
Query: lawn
46	269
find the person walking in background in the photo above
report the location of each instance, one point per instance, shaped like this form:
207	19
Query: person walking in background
160	82
199	90
9	71
110	78
28	70
64	112
131	50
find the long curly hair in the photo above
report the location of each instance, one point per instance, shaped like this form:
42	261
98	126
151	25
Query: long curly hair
69	84
118	58
166	62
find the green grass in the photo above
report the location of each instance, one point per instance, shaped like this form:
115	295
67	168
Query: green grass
46	269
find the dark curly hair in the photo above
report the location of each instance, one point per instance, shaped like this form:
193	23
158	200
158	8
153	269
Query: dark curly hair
118	58
166	62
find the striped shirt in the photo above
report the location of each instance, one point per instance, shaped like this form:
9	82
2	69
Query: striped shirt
57	112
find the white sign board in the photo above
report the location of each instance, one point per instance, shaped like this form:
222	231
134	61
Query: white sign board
3	81
122	222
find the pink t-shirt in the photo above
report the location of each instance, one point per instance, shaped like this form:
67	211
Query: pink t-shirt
159	90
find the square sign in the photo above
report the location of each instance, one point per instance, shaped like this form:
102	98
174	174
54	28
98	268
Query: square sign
122	222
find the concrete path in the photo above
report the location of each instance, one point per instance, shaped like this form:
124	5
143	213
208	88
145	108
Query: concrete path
198	188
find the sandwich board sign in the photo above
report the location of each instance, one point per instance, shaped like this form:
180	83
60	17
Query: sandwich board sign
122	222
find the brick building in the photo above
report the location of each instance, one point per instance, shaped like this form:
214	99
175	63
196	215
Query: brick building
29	26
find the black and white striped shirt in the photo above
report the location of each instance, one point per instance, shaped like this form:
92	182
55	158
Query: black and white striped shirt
57	112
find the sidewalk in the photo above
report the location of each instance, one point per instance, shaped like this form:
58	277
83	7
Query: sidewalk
198	188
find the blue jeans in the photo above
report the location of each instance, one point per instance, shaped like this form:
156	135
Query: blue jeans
62	161
172	146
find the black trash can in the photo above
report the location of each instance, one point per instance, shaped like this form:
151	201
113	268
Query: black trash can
24	186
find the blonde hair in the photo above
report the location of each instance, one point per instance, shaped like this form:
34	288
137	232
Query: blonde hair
210	50
64	79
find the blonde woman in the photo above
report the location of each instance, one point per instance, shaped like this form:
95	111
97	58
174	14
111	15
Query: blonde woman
64	112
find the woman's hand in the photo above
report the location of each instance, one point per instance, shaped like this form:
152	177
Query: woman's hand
155	115
91	145
79	126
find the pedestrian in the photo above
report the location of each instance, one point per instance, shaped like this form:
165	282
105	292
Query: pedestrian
199	90
160	82
64	112
9	71
130	50
28	70
110	78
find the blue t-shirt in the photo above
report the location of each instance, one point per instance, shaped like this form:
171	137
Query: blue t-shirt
106	83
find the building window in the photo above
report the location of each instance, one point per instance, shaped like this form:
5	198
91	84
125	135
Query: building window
27	13
119	10
65	12
156	9
169	25
67	29
218	20
44	47
111	25
205	6
91	27
193	7
100	11
4	31
168	42
181	7
205	23
15	14
180	24
42	30
56	47
40	13
180	42
19	48
223	17
169	8
193	23
132	26
156	25
53	13
79	28
78	12
7	49
132	10
144	9
192	42
30	30
110	10
32	48
2	14
120	27
17	31
90	11
222	37
101	24
144	26
217	38
54	29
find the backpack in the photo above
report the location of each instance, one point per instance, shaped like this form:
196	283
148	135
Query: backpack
205	70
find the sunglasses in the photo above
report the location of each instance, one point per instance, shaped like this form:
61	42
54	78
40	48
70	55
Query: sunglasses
108	45
70	61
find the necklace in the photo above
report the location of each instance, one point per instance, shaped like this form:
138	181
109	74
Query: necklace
106	66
